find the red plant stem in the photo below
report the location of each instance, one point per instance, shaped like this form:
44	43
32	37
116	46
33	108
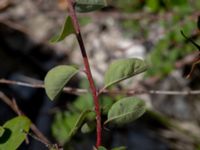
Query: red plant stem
93	89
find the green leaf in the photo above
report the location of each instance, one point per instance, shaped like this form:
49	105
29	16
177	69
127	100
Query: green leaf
89	5
14	133
62	125
67	29
57	78
119	148
122	69
79	122
1	131
67	124
83	102
126	110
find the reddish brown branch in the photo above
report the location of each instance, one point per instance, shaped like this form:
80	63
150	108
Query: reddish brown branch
93	89
72	14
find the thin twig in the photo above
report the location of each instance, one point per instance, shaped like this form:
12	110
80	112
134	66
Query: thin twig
34	137
41	86
18	111
195	92
78	91
153	92
13	105
55	146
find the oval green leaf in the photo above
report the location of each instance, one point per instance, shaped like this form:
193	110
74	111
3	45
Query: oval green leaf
14	133
67	29
57	78
122	69
126	110
89	5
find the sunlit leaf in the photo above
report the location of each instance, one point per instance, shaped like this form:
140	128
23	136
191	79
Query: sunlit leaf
14	133
89	5
57	78
122	69
126	110
67	29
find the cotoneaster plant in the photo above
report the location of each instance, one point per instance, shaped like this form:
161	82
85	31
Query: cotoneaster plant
121	112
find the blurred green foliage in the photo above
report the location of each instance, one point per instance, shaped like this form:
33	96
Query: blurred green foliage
63	124
155	5
170	17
